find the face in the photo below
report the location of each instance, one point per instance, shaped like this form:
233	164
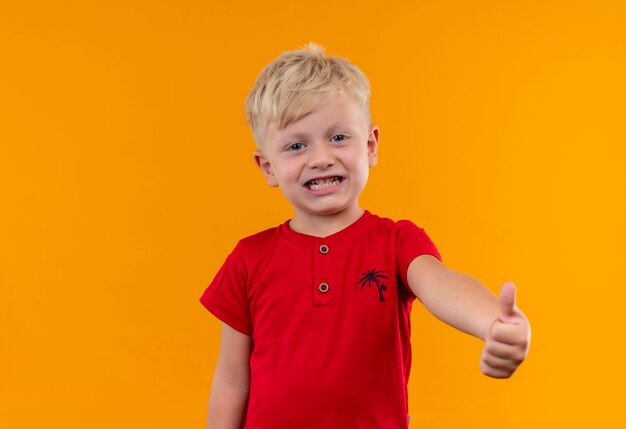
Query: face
321	162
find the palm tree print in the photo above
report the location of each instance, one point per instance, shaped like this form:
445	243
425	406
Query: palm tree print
374	276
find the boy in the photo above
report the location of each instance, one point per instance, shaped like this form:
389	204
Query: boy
316	311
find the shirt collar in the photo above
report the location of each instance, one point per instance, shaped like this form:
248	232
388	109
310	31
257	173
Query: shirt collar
356	228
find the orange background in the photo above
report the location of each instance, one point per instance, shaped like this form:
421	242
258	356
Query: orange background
126	177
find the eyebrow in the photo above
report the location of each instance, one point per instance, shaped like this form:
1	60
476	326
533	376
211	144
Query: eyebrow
300	135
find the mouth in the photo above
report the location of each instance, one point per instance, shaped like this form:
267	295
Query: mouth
323	182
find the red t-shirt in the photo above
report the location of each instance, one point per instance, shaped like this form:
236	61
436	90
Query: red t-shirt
329	322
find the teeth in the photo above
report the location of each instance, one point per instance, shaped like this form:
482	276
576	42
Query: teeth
324	183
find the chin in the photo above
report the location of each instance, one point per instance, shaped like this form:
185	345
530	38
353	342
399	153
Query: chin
329	210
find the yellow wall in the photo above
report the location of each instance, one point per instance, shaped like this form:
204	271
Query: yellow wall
126	176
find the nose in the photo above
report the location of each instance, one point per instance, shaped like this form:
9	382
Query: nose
320	156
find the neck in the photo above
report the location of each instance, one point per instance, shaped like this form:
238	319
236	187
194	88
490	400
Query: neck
324	225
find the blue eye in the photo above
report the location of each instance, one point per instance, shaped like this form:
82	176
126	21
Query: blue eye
338	137
296	146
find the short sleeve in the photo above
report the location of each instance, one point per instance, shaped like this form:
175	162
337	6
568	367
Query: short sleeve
226	296
411	242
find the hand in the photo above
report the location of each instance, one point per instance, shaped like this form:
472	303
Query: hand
508	339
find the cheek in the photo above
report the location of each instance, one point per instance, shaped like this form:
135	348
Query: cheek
287	172
361	171
365	174
361	163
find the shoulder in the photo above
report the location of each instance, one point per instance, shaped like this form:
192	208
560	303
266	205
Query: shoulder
260	238
252	246
405	235
393	227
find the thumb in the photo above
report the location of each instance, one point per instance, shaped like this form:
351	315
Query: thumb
507	300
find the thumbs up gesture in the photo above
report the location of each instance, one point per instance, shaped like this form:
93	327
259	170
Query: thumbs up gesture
507	342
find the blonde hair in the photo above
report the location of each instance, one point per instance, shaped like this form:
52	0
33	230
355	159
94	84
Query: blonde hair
299	82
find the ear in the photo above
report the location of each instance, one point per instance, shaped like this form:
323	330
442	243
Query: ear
263	163
372	145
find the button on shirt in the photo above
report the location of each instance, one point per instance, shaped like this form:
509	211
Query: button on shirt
329	320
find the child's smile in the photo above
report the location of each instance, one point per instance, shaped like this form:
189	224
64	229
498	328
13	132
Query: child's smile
324	185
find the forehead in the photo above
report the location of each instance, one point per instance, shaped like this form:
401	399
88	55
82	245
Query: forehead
334	113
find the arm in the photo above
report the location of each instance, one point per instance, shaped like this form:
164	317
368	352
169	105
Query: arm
231	382
466	304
